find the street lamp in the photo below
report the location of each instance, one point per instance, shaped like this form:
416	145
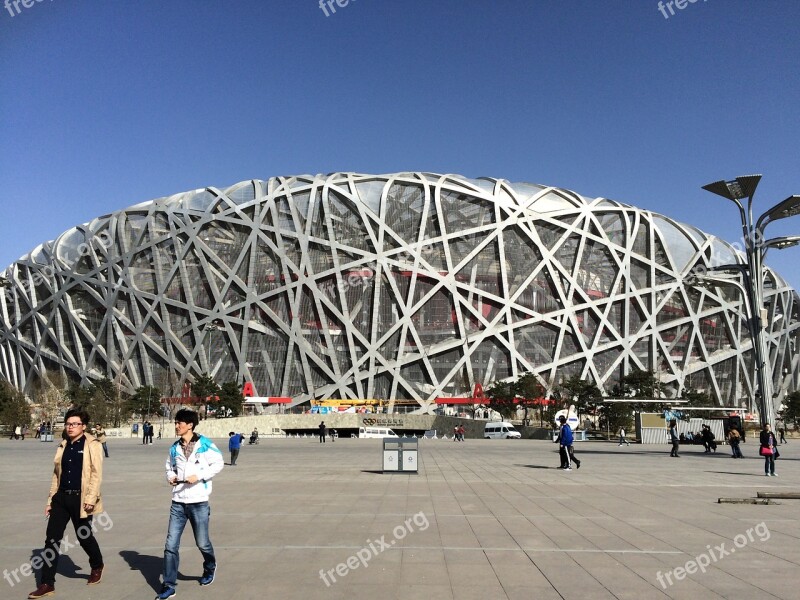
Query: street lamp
214	325
752	273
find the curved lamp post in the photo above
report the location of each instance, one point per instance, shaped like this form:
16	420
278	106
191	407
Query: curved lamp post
756	248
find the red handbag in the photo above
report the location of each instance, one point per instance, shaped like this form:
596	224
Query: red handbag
766	451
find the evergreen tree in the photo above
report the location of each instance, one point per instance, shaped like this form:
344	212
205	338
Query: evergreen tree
230	396
14	408
791	409
145	401
204	387
585	395
501	395
529	392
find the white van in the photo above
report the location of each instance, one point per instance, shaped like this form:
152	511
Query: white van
376	432
500	430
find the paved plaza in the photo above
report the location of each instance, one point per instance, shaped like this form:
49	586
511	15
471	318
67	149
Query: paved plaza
484	519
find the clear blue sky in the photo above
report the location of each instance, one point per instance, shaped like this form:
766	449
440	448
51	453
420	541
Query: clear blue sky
104	104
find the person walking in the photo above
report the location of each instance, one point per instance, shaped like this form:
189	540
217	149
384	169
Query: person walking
322	429
568	453
234	444
673	437
74	496
782	435
734	439
768	450
622	439
562	455
192	462
100	434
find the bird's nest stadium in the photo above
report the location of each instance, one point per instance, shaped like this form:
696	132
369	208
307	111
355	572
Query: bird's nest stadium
402	287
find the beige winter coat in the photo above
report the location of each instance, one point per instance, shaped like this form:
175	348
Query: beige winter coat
91	474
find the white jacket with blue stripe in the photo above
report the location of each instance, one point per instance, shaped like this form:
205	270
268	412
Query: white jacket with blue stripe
205	461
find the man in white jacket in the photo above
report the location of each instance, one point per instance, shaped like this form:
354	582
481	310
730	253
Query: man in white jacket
193	460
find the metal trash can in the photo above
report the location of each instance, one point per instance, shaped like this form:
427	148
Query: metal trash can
400	455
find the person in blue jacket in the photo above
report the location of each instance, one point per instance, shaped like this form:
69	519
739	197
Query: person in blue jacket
566	440
234	444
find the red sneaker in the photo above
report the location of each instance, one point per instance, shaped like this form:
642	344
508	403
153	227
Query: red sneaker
95	575
43	590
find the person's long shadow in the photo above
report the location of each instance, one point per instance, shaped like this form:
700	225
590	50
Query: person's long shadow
149	566
66	566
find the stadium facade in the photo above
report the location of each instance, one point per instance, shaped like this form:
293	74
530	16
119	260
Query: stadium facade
409	286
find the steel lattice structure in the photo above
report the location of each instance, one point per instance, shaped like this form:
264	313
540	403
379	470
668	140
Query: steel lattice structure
403	286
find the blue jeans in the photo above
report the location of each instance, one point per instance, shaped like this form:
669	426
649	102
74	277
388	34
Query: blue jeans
197	514
769	463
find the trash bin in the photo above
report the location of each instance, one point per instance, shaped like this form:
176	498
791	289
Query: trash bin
409	454
400	455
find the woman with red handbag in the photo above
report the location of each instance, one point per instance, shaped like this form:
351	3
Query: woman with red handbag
767	450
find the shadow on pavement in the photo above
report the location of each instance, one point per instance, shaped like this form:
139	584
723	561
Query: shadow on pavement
149	566
66	567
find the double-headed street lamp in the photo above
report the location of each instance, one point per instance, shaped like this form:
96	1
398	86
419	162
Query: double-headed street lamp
756	248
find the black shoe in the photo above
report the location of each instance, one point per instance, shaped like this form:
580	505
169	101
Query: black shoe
165	593
208	577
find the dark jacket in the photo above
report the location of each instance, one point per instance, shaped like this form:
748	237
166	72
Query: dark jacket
566	435
768	439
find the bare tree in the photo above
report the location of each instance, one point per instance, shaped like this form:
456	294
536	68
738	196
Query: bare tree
50	392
